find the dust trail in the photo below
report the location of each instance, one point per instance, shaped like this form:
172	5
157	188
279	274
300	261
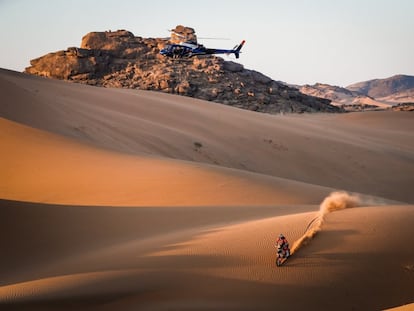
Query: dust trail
335	201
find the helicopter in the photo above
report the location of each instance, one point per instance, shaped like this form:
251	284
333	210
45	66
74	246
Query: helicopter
189	48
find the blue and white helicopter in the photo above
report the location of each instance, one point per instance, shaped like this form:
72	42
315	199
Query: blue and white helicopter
190	48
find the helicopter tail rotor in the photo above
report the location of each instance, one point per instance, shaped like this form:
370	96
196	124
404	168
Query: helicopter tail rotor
238	48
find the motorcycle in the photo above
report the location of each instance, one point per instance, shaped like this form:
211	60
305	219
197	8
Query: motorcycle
282	255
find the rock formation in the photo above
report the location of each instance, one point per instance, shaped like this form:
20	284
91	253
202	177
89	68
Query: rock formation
119	59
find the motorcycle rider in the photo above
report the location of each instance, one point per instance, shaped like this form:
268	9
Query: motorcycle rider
282	245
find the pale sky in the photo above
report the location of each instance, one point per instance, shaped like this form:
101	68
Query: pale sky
338	42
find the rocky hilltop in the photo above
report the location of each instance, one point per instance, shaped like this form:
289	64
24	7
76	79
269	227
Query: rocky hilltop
120	59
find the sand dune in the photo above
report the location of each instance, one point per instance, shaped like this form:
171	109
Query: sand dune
62	171
123	200
350	152
206	265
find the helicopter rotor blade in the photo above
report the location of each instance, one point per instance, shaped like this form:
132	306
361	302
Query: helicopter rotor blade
205	38
177	34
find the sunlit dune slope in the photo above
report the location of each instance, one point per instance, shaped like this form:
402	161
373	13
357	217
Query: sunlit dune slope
42	167
368	153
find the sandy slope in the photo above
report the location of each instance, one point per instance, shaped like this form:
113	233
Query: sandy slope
126	200
110	259
42	167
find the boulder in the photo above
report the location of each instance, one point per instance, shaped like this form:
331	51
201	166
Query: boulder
233	67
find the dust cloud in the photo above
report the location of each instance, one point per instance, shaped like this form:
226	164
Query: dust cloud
335	201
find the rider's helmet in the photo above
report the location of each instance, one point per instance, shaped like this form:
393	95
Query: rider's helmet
281	236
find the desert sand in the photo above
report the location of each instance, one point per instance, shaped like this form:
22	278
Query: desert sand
115	199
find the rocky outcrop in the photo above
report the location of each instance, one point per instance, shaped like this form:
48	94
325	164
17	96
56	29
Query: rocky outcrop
120	59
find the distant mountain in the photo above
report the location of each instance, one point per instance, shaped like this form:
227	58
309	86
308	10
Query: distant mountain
378	88
368	95
344	98
120	59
